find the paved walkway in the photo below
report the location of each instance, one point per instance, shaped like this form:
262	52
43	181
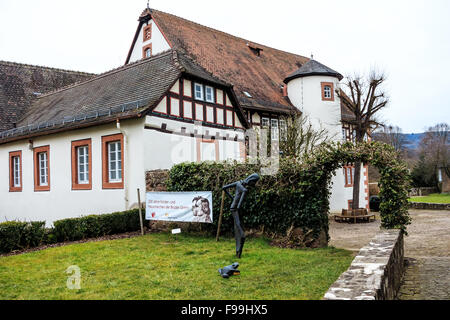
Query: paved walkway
427	252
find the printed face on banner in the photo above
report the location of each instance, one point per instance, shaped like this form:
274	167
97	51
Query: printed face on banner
179	206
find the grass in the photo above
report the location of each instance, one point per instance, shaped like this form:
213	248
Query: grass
432	198
158	267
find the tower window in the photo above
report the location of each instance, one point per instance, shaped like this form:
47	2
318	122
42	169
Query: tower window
147	51
327	91
147	32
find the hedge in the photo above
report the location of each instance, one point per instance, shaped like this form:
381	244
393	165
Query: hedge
95	226
297	195
294	196
16	235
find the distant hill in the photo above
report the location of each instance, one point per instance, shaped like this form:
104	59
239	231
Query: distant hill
412	140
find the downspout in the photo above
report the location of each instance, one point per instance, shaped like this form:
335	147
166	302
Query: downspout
126	160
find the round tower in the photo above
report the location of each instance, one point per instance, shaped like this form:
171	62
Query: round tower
312	89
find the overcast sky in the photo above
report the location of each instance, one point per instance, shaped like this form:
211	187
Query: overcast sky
408	40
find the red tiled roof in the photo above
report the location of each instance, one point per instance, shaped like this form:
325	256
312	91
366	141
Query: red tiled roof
230	59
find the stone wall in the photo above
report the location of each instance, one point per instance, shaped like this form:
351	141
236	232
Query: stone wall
155	180
418	192
375	273
429	206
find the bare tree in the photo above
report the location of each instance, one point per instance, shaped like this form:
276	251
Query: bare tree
435	147
298	136
391	135
364	98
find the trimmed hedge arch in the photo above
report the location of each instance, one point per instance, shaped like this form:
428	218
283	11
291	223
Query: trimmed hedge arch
297	196
395	179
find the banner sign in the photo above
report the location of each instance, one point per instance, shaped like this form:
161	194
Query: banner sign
179	206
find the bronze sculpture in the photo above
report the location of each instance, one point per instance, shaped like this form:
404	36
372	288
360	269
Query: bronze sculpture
239	195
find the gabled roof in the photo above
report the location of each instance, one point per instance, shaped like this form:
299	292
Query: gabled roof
231	59
313	68
127	92
20	84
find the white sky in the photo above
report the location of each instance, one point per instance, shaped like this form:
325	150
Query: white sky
408	40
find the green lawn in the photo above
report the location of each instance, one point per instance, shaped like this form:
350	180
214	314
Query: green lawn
433	198
158	267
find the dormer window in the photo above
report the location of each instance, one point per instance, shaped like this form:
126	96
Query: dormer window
209	94
147	51
147	32
327	91
198	91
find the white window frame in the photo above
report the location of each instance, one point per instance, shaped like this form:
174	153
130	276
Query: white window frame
265	120
43	168
147	51
274	129
16	172
117	161
211	98
83	164
201	95
327	91
283	129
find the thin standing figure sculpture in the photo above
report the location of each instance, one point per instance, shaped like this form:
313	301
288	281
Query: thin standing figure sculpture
239	195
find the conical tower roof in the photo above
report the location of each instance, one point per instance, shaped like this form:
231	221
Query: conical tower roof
313	68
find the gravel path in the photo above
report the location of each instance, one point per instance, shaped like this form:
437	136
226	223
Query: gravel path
427	252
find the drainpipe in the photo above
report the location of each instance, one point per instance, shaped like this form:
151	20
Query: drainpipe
126	160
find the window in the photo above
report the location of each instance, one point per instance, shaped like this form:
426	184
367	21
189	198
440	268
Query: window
147	32
147	51
439	175
283	129
81	165
274	129
327	91
42	169
198	91
15	171
247	94
265	122
112	154
349	173
209	94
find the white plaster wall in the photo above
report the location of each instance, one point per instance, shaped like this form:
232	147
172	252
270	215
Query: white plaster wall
340	194
306	94
159	43
163	150
61	201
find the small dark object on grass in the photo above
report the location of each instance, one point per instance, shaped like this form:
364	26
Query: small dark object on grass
229	271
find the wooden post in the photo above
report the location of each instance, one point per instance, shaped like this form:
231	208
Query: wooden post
220	216
140	211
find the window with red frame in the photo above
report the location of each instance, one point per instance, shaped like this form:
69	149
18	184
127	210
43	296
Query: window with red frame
112	157
81	165
15	171
349	173
42	168
147	32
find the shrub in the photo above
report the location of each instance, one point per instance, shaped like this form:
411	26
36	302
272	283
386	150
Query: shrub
294	196
94	226
16	235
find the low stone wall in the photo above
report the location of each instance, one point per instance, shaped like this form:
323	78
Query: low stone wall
419	192
156	180
375	273
429	206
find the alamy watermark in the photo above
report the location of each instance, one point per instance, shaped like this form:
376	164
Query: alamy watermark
74	278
